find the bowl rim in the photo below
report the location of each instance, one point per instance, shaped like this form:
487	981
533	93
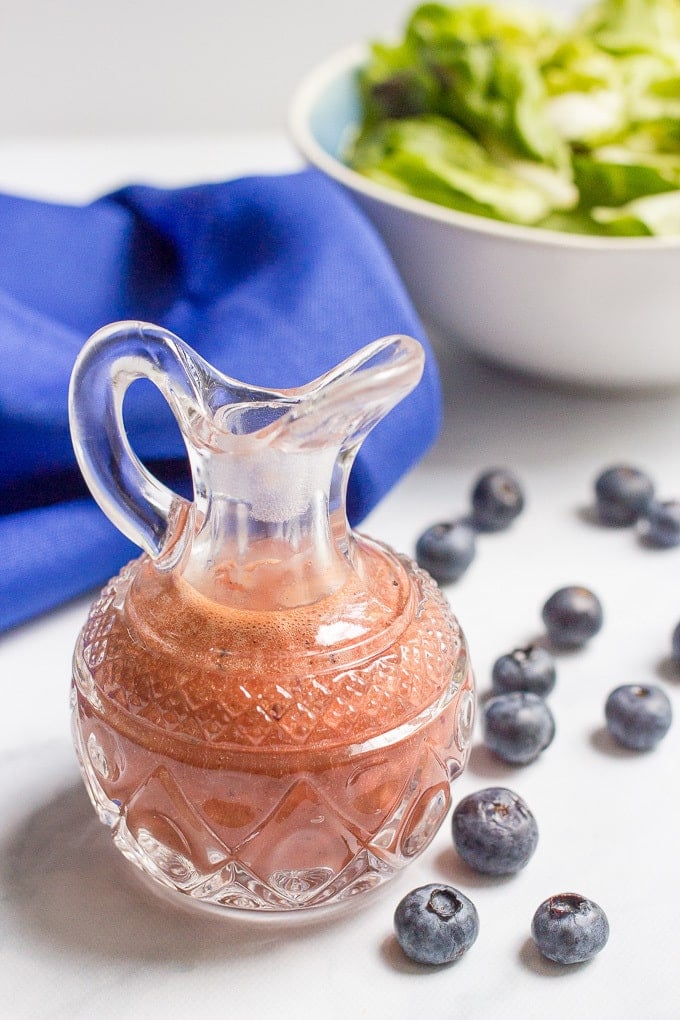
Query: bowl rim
350	59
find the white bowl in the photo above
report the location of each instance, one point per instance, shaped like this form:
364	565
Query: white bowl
580	309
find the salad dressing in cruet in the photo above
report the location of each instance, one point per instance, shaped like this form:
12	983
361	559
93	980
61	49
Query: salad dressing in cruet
268	708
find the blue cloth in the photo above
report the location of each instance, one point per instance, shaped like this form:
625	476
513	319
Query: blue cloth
271	279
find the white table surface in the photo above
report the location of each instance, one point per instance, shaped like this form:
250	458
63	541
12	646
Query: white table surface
79	937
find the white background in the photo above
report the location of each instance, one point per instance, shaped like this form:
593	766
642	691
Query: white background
94	67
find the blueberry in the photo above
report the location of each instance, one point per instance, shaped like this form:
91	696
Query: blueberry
497	498
568	928
494	831
675	645
572	615
623	494
662	523
436	924
526	669
446	550
518	726
638	717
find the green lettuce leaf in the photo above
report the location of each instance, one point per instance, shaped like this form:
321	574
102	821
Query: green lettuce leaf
577	64
394	84
435	159
654	215
614	184
634	26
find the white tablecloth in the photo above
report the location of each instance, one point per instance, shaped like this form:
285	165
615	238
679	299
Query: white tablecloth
80	937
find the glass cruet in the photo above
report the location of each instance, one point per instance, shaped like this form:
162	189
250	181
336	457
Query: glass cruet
268	708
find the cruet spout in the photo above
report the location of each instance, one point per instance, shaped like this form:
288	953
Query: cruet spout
341	407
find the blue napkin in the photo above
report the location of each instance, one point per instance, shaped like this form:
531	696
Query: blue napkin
271	279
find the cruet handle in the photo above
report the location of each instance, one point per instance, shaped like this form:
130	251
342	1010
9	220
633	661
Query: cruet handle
145	510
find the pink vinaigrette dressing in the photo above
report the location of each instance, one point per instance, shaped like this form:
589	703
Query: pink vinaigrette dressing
268	709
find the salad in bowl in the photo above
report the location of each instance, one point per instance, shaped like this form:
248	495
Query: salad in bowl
507	114
525	176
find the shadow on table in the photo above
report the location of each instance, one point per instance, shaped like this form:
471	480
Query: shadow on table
668	669
66	883
531	958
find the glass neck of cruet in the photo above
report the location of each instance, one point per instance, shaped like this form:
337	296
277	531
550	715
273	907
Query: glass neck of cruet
267	528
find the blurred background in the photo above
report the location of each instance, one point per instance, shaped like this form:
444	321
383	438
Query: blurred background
84	67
